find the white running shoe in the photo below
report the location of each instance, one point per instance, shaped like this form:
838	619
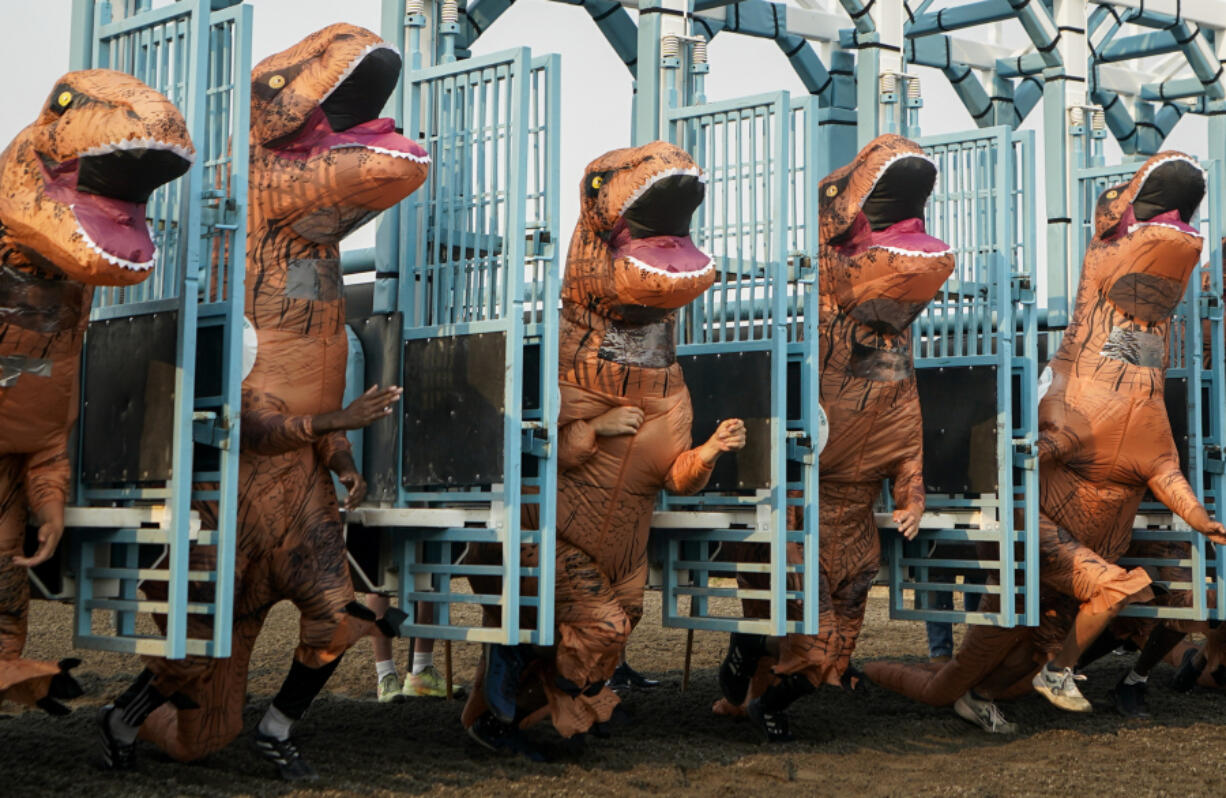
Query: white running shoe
984	714
1060	688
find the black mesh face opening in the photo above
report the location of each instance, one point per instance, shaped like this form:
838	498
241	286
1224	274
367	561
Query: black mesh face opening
361	96
900	193
1174	185
666	208
129	175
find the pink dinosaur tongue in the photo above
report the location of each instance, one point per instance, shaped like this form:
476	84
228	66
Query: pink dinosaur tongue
115	226
909	235
317	136
672	254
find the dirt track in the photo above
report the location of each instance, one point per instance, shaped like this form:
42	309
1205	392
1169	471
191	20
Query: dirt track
879	744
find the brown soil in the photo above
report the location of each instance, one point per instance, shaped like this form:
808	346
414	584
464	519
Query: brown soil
879	744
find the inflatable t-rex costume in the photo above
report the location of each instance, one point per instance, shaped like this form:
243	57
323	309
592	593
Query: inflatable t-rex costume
73	187
1104	438
321	165
878	270
624	428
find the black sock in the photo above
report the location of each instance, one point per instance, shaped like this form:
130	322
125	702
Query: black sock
300	687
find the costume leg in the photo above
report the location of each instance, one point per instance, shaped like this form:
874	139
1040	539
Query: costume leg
14	581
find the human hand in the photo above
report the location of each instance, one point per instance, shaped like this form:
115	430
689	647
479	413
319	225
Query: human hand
624	420
729	436
908	523
366	409
49	533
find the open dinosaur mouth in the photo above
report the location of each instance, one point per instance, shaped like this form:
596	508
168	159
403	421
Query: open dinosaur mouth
107	188
892	216
653	231
1169	194
347	116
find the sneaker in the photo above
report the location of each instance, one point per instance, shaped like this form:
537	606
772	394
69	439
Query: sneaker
984	714
773	726
1188	672
491	733
286	756
1129	699
389	689
626	677
504	665
1060	688
115	755
429	684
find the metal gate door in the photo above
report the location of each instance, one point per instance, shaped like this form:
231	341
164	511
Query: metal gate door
975	353
478	298
754	326
169	349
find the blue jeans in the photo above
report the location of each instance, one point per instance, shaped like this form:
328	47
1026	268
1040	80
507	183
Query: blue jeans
941	633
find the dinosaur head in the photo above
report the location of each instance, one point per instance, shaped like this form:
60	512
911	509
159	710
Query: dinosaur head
878	263
322	159
77	179
1145	248
634	232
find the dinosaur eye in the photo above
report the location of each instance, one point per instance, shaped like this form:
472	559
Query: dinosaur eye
276	81
832	190
597	181
1112	194
64	99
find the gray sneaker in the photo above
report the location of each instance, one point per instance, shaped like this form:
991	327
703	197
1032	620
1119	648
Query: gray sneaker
984	714
1060	688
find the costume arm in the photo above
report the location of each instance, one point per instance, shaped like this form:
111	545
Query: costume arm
576	444
333	445
268	432
1172	489
48	475
689	473
908	479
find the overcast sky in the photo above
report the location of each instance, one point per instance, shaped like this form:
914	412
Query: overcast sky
596	87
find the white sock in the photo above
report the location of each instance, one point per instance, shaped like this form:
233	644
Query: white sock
1135	678
276	724
383	668
422	660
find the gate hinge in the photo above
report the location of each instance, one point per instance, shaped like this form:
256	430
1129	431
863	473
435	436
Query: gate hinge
210	430
800	449
1027	450
536	439
1022	288
1214	462
1210	307
537	240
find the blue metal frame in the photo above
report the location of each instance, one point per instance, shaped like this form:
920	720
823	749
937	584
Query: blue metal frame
200	227
490	124
761	301
984	317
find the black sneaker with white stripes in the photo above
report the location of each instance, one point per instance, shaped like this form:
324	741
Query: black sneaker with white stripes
115	755
286	756
773	726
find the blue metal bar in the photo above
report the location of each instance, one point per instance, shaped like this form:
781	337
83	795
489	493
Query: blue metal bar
958	17
618	28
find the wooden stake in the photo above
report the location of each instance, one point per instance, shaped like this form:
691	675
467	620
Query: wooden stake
447	665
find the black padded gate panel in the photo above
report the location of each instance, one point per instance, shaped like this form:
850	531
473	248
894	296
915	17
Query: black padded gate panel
127	419
454	410
959	409
381	342
733	385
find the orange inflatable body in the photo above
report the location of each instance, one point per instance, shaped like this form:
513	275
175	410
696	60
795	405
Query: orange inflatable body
322	164
1104	432
878	270
631	264
73	187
